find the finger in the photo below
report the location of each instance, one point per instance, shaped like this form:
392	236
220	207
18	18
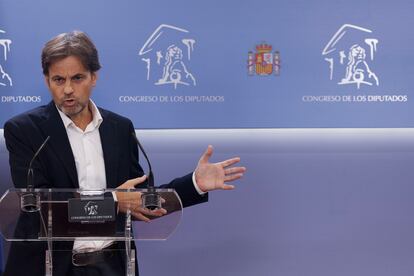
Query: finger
152	213
234	170
130	184
232	177
228	187
206	155
158	212
229	162
140	216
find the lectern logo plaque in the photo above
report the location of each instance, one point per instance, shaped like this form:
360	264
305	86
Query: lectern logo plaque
97	210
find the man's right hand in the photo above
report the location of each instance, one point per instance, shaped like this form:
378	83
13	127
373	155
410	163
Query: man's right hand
132	201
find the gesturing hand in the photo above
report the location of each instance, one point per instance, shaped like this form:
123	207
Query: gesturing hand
212	176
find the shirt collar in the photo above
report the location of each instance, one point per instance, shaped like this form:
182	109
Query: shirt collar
96	117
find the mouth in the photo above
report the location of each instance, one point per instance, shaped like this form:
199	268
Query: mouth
69	102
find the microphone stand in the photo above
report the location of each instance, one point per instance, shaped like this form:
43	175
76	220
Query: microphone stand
30	200
151	199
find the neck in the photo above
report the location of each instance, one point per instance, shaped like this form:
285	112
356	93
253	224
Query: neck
82	119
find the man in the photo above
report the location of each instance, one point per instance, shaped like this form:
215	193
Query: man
90	148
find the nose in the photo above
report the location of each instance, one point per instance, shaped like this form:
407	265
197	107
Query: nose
68	88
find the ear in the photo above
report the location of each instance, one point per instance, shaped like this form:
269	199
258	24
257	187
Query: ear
94	77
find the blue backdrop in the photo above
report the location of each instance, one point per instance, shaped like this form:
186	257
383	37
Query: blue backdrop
313	202
225	64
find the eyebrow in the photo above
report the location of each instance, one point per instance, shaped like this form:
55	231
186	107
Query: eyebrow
62	77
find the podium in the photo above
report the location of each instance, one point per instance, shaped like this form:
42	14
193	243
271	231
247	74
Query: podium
51	215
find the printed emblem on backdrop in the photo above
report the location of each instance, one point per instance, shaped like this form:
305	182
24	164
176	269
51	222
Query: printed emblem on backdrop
167	55
350	54
263	62
5	79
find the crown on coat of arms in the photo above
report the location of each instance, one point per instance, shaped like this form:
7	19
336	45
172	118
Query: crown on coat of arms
264	48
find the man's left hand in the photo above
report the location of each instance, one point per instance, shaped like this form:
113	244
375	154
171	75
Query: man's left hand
213	176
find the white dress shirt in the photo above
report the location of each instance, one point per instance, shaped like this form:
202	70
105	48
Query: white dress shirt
90	166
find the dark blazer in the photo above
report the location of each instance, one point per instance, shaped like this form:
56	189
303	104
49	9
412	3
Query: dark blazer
55	168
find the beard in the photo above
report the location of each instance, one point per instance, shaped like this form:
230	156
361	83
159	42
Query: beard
72	107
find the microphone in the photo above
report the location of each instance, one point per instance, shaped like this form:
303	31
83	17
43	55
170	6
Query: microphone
30	201
150	199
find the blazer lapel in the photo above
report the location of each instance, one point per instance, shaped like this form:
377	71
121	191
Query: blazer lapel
59	141
108	132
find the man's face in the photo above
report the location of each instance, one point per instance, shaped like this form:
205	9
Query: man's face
70	84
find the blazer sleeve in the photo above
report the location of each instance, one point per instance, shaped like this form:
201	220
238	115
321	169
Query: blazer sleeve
135	169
